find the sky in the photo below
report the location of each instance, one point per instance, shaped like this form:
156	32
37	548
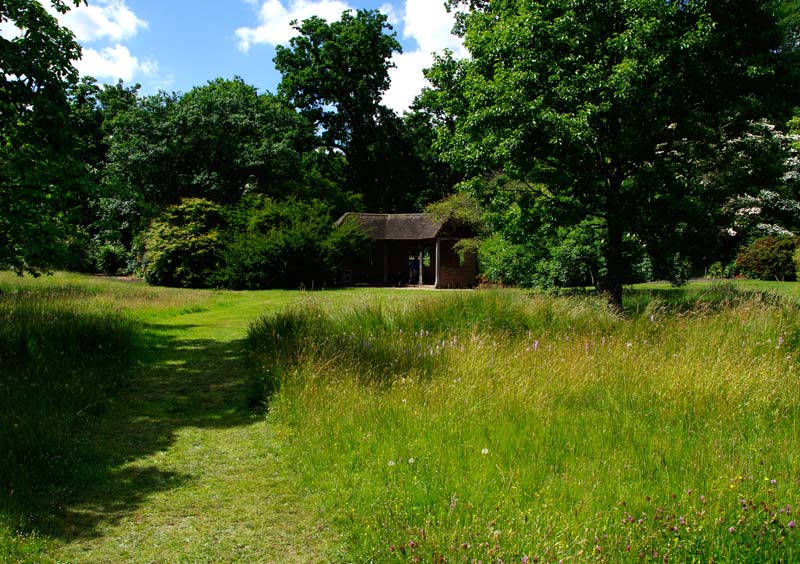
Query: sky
175	45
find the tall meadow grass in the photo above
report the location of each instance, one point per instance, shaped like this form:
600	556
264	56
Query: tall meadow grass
500	427
60	358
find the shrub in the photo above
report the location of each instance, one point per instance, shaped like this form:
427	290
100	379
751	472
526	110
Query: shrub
110	258
503	262
183	247
284	244
796	260
769	258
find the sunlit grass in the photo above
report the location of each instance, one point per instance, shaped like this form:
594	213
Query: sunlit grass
459	426
140	474
495	427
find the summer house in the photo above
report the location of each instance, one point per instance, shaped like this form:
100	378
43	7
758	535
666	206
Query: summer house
411	249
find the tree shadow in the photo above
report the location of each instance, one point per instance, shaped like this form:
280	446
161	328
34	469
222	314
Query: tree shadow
180	383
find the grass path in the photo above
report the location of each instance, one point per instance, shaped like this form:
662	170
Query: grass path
182	467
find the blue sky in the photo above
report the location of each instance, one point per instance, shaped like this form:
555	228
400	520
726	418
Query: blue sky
178	44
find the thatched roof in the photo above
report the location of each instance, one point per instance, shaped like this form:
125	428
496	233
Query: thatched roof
397	226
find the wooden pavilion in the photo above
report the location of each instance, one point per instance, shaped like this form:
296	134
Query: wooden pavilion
411	249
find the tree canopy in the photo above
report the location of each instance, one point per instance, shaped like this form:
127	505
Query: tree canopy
37	168
613	110
217	141
336	74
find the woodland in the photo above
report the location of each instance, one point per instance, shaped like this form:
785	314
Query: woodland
592	143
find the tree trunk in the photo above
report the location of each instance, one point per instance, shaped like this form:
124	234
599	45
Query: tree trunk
610	285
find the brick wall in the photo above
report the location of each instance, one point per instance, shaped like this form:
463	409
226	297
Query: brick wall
455	276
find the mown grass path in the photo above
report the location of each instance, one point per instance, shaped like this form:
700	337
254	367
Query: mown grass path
182	467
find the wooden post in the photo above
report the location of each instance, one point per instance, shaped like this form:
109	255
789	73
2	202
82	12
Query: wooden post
438	249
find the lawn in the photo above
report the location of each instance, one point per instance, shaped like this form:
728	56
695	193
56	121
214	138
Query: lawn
407	426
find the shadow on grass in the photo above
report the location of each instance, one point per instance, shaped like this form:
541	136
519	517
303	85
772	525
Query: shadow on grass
180	383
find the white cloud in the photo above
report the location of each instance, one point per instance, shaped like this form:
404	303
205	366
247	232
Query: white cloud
113	63
112	20
425	24
391	14
429	25
9	31
107	24
407	79
274	20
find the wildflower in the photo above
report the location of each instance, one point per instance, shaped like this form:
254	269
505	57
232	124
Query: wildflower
536	345
525	560
780	341
411	460
485	451
791	524
773	481
731	529
391	463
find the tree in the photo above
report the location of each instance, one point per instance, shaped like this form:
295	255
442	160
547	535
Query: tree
612	111
37	168
335	74
217	142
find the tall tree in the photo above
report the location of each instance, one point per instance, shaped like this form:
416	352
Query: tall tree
610	110
217	141
37	168
336	74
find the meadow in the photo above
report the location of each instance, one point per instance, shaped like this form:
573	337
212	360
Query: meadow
379	425
502	427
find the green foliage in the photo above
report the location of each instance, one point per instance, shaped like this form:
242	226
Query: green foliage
716	270
285	245
768	258
762	207
612	108
335	74
532	246
38	170
796	261
461	209
217	141
503	262
261	243
184	246
109	259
